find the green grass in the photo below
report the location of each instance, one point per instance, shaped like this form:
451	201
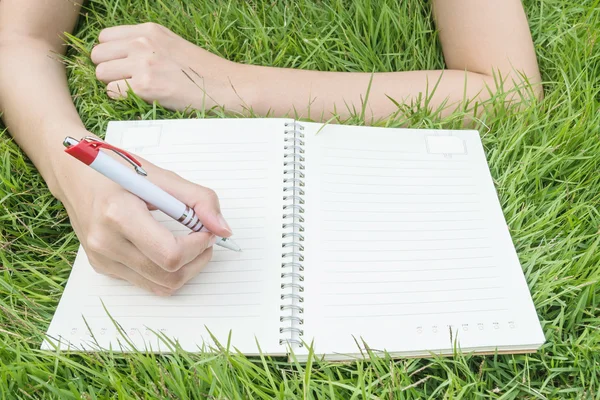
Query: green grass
545	160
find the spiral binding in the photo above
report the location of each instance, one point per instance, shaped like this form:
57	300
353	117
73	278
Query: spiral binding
292	249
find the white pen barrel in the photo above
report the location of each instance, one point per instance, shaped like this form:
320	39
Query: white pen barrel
138	185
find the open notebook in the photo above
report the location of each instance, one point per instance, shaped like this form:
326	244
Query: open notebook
352	237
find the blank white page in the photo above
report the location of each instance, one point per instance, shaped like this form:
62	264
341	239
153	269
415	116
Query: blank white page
405	242
241	159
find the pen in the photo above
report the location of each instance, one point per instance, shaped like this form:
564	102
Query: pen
87	150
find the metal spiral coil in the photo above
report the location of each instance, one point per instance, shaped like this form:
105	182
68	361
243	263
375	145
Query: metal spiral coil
292	275
293	265
294	198
296	285
298	320
291	341
297	330
293	234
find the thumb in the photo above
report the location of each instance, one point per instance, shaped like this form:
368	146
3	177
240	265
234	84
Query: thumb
204	201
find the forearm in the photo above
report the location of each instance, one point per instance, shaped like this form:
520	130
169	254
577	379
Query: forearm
487	47
322	95
35	102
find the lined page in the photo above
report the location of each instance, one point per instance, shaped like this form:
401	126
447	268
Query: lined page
239	292
406	242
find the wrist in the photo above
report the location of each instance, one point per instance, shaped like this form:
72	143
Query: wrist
65	172
222	83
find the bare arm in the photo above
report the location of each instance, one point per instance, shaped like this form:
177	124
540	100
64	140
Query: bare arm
484	41
34	97
116	229
479	38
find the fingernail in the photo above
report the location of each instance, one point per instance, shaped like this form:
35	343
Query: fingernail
224	223
213	240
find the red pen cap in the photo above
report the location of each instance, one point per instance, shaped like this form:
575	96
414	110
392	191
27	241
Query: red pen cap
84	151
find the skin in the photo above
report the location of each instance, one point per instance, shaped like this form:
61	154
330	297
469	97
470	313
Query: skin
149	59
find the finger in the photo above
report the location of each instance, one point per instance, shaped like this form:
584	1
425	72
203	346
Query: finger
204	201
126	253
129	31
113	268
154	240
114	70
175	280
114	50
118	89
120	32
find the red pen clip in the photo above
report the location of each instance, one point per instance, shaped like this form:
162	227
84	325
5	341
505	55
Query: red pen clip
87	149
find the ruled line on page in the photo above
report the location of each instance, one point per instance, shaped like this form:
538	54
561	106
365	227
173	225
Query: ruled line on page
199	143
402	194
155	316
396	201
408	259
406	250
417	313
261	178
462	185
127	284
153	297
396	271
232	270
194	152
245	198
427	290
393	168
362	282
221	170
403	230
392	176
415	302
236	160
401	240
220	282
174	305
405	220
355	211
447	161
363	150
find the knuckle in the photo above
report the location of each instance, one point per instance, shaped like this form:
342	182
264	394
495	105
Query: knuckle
143	42
95	242
112	213
207	254
152	27
174	281
172	259
144	81
211	195
96	266
148	61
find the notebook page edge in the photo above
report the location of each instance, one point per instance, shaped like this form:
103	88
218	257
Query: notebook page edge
69	297
474	135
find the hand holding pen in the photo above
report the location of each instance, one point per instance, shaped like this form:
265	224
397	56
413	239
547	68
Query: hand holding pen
126	241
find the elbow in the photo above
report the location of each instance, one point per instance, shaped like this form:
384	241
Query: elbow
519	87
526	84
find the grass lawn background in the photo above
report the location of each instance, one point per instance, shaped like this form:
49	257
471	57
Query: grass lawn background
545	160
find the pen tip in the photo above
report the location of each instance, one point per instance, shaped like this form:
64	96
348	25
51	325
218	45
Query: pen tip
233	245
